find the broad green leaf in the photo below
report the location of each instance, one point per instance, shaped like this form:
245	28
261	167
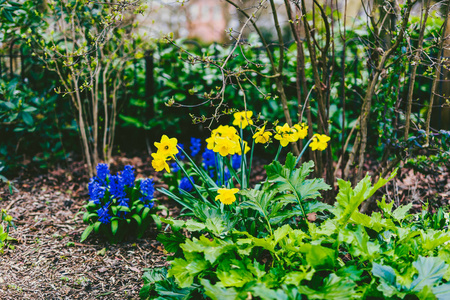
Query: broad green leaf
431	270
297	277
442	292
401	212
181	274
171	241
333	287
218	293
319	257
349	199
281	232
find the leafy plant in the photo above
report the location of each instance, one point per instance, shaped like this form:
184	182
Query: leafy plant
6	222
120	207
344	255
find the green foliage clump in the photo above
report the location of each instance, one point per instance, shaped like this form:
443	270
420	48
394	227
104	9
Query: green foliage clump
342	254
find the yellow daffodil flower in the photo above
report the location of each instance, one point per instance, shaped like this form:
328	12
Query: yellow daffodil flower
226	196
319	142
301	131
285	135
159	162
225	146
224	132
242	119
262	136
167	147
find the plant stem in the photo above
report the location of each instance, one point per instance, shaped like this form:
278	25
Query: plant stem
278	153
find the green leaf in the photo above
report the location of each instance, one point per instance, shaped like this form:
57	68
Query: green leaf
86	232
130	121
333	287
114	226
97	226
218	293
348	199
297	277
157	221
318	256
27	118
180	273
431	270
7	15
401	212
171	241
137	219
442	292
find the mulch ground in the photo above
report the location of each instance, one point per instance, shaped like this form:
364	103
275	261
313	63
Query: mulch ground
49	262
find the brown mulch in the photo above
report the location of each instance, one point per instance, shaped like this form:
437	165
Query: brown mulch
49	262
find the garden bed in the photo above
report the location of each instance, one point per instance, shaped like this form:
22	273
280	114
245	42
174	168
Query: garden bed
49	262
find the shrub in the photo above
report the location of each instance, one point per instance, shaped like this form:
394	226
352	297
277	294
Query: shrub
119	205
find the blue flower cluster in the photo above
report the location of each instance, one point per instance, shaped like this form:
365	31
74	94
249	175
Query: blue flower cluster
196	145
128	176
96	191
209	161
180	154
106	187
104	215
147	189
236	161
185	184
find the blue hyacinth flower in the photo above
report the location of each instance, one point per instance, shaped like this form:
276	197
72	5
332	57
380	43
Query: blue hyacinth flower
117	186
185	184
196	145
209	159
103	214
180	154
102	172
128	176
96	191
147	187
174	167
236	161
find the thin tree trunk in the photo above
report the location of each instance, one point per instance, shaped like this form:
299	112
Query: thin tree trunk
415	64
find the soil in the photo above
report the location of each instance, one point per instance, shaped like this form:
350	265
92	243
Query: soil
49	262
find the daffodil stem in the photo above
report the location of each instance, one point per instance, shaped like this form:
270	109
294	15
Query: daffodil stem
303	151
189	178
197	170
251	160
278	152
243	179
